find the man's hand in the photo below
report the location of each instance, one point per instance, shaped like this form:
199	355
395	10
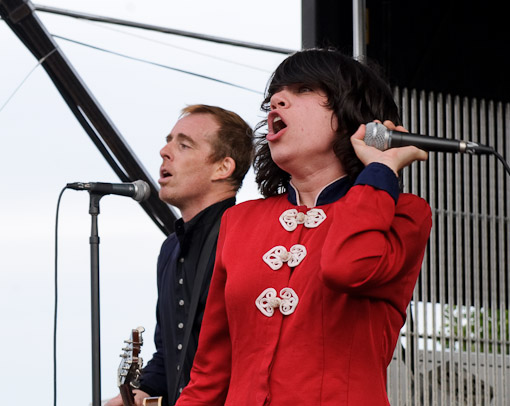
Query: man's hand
394	158
139	397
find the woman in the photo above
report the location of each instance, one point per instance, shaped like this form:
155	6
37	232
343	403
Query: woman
311	284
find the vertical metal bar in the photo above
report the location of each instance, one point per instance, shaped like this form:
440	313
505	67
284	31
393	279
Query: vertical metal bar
405	361
458	253
506	257
445	117
504	252
359	50
420	375
501	261
429	268
430	381
467	209
441	235
308	23
484	242
476	255
497	381
493	192
419	317
410	328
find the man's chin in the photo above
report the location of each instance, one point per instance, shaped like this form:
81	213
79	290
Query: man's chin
166	196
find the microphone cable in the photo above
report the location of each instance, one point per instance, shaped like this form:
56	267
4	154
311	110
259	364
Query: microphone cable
500	157
55	312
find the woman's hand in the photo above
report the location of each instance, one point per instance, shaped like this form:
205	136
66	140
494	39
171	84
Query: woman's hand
395	158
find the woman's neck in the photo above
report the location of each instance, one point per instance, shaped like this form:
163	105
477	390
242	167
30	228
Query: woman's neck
309	187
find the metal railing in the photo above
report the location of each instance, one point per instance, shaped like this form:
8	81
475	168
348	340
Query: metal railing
454	348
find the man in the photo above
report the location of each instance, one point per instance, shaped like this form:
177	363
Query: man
205	159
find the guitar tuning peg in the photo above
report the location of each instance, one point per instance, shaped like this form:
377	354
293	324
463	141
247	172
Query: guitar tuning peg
140	329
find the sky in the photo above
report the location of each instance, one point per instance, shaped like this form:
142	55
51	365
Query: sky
43	147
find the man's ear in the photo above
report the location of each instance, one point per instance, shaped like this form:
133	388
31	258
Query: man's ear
224	169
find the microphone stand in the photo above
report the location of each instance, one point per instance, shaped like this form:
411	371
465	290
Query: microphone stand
94	278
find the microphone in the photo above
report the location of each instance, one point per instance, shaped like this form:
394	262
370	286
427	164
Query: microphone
138	190
378	136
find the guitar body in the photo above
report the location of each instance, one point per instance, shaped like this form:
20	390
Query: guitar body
154	401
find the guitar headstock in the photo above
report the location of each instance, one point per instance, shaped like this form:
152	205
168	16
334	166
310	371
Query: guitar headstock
131	364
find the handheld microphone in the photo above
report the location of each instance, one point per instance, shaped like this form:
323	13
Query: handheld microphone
138	190
378	136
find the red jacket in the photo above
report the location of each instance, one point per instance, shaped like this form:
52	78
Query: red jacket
332	338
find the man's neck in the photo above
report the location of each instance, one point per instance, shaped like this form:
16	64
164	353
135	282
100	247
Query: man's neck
197	206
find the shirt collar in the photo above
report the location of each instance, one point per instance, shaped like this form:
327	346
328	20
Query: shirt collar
185	230
329	193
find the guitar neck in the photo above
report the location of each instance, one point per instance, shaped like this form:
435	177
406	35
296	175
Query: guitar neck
130	366
128	398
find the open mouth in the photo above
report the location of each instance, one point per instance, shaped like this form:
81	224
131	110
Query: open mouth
278	124
165	173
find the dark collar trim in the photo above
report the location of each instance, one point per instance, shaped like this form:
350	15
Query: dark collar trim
329	194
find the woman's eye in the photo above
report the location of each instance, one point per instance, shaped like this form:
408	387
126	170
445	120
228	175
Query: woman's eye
305	89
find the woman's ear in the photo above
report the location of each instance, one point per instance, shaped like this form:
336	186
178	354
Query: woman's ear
224	169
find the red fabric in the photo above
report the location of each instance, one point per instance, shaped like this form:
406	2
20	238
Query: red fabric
354	286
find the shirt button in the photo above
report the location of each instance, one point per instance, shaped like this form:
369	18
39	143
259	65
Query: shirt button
178	367
181	281
180	390
179	346
181	302
180	325
181	260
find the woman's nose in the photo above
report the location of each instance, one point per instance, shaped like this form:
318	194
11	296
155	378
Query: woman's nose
279	100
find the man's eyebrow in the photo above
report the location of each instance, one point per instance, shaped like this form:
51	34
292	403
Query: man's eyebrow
181	137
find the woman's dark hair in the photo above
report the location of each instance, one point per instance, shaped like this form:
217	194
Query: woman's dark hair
355	92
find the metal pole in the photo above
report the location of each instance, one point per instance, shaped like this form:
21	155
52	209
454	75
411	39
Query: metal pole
166	30
359	50
94	296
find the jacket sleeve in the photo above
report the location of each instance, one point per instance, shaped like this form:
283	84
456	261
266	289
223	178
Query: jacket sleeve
210	374
375	245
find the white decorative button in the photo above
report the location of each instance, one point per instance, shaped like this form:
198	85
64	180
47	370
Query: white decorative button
268	301
289	301
291	218
276	256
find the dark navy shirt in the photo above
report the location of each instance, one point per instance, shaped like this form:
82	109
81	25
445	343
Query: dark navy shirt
177	264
